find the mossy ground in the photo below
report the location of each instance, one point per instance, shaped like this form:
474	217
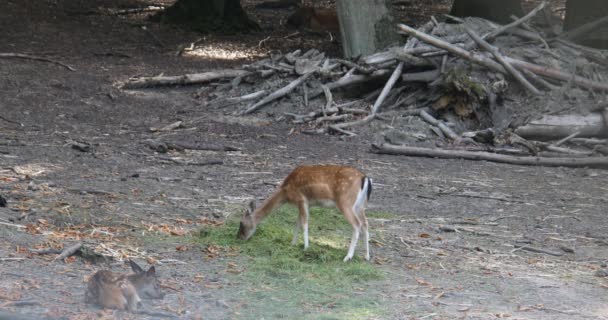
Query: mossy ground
289	282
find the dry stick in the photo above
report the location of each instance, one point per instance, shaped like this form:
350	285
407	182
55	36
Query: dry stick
247	97
515	23
516	74
479	59
591	162
350	64
186	79
584	29
37	58
387	87
556	74
540	81
519	64
566	139
537	250
277	94
329	99
445	129
69	251
340	127
350	79
411	43
535	32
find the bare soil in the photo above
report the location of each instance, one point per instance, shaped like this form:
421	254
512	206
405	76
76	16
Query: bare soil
117	196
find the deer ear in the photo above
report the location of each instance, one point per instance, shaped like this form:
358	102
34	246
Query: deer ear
151	271
135	267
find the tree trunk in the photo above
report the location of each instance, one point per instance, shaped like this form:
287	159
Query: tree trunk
365	26
209	16
495	10
580	12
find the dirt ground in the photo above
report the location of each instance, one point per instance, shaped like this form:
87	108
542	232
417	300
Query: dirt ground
118	194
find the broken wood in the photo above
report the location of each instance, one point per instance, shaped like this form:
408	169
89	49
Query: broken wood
69	251
488	47
186	79
277	94
37	58
537	250
590	162
556	127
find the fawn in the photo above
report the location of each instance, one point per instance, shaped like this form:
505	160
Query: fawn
123	291
316	19
345	187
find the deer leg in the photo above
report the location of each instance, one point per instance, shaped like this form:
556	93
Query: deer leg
349	214
296	231
304	214
364	226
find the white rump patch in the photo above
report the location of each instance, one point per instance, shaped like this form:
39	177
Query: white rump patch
362	197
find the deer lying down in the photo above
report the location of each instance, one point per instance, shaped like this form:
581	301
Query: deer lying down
345	187
123	291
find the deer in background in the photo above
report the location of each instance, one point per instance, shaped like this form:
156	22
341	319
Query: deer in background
345	187
123	291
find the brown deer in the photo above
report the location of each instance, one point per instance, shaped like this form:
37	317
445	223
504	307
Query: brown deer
316	19
345	187
123	291
110	290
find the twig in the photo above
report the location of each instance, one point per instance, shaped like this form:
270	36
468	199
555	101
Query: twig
11	224
69	251
30	57
277	94
247	97
515	23
328	98
536	250
482	43
445	129
584	29
591	162
566	139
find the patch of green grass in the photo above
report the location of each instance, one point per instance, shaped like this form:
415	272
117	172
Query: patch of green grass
285	281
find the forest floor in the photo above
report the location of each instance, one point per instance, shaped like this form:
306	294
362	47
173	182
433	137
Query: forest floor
450	238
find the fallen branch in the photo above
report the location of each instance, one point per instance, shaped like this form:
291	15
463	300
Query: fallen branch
537	250
442	126
584	29
235	100
277	94
69	251
488	47
186	79
37	58
590	162
519	64
199	146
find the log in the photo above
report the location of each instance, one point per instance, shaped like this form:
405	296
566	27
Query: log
186	79
590	162
556	127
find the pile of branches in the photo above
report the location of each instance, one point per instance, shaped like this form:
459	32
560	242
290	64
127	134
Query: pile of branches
458	67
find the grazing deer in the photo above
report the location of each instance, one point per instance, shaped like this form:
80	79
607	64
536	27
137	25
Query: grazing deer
113	291
123	291
345	187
